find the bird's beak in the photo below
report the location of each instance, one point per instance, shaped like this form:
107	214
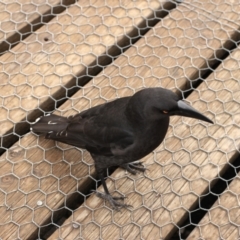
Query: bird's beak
188	111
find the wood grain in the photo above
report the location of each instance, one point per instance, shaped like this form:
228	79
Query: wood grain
44	68
222	220
51	172
20	18
33	170
179	172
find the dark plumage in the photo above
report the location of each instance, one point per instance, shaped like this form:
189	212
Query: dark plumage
119	132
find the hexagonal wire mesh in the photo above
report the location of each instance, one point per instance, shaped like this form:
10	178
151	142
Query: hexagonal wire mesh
67	56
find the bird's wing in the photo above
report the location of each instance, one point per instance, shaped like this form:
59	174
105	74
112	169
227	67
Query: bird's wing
101	135
95	134
102	129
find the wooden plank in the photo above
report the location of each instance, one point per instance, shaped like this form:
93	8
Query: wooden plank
180	171
53	174
19	18
176	177
44	68
37	167
223	219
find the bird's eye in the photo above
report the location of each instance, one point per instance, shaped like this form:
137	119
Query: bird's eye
165	112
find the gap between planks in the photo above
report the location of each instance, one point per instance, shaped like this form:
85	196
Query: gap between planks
222	219
63	54
20	18
28	155
179	176
25	164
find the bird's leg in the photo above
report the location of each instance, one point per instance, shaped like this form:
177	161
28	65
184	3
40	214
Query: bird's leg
134	167
107	196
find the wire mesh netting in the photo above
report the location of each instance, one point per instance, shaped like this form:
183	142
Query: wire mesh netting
67	56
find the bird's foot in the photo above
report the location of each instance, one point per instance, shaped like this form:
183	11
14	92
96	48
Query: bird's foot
116	205
134	167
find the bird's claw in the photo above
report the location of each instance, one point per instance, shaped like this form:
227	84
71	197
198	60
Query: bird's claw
113	200
134	167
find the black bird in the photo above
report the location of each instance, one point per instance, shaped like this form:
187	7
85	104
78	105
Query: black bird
120	132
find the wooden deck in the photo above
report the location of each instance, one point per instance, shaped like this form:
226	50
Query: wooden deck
67	56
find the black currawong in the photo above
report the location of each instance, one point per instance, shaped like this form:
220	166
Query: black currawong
119	132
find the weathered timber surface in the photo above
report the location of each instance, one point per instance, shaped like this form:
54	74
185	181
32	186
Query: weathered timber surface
21	17
62	54
38	170
173	54
178	173
223	219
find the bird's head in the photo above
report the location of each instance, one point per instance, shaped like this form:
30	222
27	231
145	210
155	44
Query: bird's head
166	103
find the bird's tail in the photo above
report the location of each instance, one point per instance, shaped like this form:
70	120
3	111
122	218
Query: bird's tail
49	123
